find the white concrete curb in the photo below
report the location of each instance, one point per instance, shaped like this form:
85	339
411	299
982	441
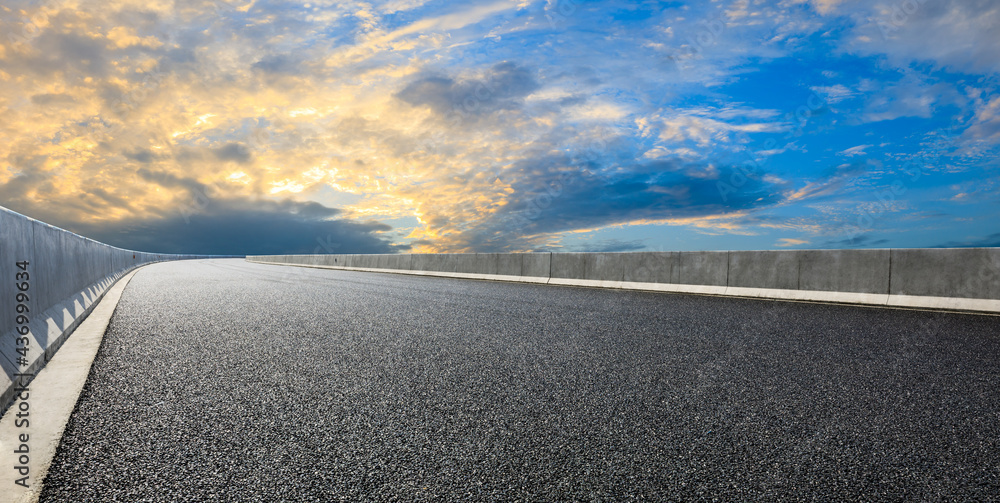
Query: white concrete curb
950	303
52	396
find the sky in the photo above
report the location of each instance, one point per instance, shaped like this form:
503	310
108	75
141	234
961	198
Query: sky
266	127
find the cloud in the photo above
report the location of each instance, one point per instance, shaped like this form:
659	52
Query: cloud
859	241
461	121
833	181
610	246
170	180
202	218
278	64
393	6
855	151
911	96
452	21
126	37
232	152
500	88
986	122
63	54
785	242
835	93
824	7
707	126
960	35
144	156
228	227
52	99
990	241
550	195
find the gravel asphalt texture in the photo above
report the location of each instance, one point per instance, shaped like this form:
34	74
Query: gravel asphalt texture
229	381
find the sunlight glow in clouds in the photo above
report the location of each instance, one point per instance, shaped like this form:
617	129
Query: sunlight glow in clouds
268	127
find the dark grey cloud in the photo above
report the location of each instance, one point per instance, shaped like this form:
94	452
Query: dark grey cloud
179	55
991	241
859	241
69	54
214	223
185	154
278	64
107	198
142	155
203	221
501	88
232	151
170	180
52	99
200	197
610	246
652	190
243	227
227	152
572	100
552	194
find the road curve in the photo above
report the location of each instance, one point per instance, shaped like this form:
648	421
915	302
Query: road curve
220	380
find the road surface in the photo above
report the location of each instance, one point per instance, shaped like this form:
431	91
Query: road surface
221	380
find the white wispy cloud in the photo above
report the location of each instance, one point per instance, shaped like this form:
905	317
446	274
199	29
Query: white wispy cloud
855	151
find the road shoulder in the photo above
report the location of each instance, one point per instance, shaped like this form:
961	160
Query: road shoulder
52	396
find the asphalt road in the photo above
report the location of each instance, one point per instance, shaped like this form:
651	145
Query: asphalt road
229	381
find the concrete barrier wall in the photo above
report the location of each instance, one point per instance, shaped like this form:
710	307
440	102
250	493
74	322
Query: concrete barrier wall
964	273
861	271
568	266
651	267
759	269
66	275
708	268
536	265
951	278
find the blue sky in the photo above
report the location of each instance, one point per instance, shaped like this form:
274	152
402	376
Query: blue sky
556	125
